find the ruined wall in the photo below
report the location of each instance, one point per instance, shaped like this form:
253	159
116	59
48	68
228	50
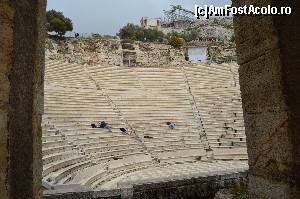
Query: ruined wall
150	54
194	188
149	22
109	52
89	51
21	97
222	52
268	52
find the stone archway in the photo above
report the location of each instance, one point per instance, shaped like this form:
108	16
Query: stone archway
268	52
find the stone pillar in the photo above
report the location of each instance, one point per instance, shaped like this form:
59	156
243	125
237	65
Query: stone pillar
268	51
21	97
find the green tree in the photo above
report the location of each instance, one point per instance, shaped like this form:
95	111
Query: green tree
57	22
176	41
153	35
190	35
134	32
131	31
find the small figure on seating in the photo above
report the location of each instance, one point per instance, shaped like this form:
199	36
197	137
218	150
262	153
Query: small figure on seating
124	131
102	124
93	126
108	126
171	125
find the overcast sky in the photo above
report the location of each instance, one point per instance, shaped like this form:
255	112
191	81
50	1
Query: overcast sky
108	16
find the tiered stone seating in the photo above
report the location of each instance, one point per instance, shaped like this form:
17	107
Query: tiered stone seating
171	103
67	75
149	98
95	175
71	109
60	157
141	100
217	95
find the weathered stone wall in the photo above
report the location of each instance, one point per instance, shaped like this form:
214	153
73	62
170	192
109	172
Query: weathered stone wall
160	55
222	52
195	188
85	51
21	97
6	48
109	52
268	52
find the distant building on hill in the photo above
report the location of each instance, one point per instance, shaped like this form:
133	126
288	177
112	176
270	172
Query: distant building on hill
151	23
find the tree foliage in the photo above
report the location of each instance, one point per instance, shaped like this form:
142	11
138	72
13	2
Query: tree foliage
188	36
176	41
57	22
178	13
134	32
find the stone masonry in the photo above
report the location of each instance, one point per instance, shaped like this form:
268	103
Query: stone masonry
21	97
109	52
268	52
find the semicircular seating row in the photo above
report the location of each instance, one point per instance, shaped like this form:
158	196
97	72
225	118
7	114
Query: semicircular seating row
141	100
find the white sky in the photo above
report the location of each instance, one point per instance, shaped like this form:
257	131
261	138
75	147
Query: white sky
108	16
